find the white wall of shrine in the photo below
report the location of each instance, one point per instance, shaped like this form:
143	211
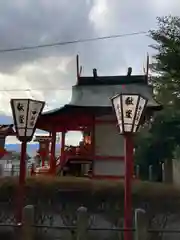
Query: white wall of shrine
108	143
111	168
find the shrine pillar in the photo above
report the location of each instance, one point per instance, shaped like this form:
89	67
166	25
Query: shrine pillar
62	157
53	155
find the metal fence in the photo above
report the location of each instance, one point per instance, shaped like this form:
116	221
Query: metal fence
163	234
12	232
65	233
72	233
81	229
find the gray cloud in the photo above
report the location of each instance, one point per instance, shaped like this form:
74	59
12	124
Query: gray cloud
32	22
26	23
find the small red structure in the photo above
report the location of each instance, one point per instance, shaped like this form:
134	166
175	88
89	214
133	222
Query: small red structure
44	146
42	154
90	111
5	130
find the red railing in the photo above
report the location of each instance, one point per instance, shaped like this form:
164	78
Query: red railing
84	150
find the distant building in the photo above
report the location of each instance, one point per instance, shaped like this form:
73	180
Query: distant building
10	163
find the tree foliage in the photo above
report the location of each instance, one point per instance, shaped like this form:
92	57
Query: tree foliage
158	143
167	59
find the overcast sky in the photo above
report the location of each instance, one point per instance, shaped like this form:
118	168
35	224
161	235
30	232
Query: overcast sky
33	22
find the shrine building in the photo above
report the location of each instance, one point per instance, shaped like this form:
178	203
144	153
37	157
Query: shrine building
90	111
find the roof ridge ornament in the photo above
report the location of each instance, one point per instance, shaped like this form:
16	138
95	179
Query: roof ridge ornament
95	73
129	71
78	68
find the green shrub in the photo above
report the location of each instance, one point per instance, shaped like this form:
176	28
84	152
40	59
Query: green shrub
46	187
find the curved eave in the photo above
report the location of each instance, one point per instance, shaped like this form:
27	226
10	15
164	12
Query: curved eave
72	108
68	116
57	111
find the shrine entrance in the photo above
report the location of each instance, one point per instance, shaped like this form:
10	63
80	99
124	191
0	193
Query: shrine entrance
77	158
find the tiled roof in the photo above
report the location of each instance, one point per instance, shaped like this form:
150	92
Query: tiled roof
98	96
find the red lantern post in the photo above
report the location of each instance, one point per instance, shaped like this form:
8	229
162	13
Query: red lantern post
129	109
128	185
25	114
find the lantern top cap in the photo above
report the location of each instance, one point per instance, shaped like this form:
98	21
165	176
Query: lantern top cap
26	99
128	94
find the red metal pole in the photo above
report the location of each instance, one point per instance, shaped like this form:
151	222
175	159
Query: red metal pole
43	159
128	186
53	157
22	178
32	170
93	144
63	148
